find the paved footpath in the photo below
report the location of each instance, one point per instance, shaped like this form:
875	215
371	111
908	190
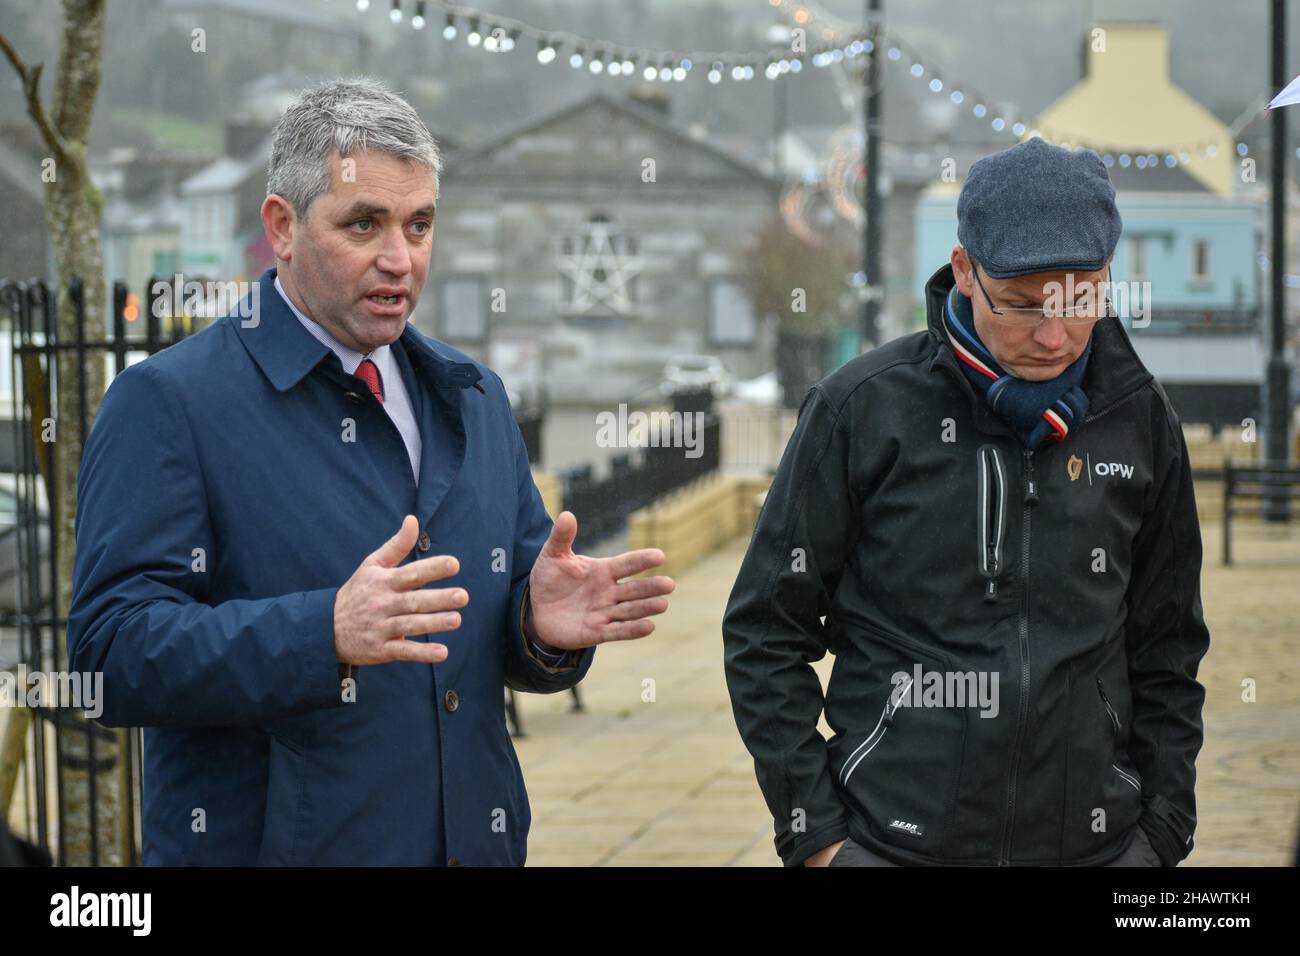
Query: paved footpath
653	772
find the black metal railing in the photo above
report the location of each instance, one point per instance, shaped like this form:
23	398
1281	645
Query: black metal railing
641	476
1263	490
32	631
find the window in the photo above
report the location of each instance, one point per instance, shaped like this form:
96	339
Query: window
1137	259
1201	262
462	309
731	313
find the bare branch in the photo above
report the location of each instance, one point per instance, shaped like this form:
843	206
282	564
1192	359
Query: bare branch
31	80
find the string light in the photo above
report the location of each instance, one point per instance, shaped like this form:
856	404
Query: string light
500	35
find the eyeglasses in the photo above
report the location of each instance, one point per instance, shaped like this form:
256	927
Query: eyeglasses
1032	317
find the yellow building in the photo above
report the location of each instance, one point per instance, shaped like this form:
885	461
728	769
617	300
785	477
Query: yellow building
1127	104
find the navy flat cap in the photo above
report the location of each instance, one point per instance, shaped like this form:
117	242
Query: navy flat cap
1038	208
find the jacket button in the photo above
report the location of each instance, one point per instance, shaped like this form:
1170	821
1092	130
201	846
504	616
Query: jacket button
424	541
451	700
454	861
353	397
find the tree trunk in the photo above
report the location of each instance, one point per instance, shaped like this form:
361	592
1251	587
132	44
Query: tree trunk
72	213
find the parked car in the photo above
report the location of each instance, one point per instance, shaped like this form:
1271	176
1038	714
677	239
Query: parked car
689	372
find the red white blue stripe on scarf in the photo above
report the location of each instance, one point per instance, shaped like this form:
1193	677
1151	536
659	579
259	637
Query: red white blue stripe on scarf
1036	410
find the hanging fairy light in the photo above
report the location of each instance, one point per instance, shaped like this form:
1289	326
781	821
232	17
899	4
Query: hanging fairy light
616	60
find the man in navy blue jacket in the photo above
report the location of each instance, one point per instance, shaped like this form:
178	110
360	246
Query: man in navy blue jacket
315	688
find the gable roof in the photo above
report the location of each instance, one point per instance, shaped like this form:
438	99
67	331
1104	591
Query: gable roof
645	115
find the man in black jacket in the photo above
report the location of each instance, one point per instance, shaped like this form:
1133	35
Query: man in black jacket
991	525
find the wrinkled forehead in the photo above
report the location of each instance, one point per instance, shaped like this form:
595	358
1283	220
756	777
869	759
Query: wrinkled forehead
378	173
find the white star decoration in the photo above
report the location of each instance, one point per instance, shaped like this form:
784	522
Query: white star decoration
601	269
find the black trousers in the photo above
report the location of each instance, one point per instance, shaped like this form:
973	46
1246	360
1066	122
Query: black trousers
1139	853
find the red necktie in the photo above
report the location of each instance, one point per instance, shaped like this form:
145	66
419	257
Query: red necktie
368	372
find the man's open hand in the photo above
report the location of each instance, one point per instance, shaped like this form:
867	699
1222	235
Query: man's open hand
578	601
382	603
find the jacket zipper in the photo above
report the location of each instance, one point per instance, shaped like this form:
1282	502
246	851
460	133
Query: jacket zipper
1114	717
992	519
1030	499
1128	778
883	724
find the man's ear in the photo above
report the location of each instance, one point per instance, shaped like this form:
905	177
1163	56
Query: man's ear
961	270
279	221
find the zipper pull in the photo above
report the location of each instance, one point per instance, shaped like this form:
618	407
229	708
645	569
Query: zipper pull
991	592
1114	717
891	708
1031	486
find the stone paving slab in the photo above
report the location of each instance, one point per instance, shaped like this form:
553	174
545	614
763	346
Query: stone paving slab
654	773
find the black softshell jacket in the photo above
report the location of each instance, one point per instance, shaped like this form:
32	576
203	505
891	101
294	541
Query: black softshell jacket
907	525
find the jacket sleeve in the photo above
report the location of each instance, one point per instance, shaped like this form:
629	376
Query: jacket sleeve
524	670
1166	638
772	629
140	613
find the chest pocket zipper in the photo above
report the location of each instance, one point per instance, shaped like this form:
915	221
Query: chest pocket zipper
883	724
992	517
1128	778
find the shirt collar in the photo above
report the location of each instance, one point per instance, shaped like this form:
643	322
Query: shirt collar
350	358
286	350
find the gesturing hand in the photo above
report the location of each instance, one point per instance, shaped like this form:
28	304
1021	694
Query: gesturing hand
578	601
382	603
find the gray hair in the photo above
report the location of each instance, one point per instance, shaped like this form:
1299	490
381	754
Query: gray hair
353	115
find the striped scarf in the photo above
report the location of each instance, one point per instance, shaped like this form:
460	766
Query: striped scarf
1036	411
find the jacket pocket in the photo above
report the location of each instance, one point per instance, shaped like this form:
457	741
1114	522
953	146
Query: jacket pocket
286	778
887	715
991	517
898	763
1102	791
1131	778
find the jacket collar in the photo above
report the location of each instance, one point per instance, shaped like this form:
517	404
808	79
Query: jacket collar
285	351
1114	370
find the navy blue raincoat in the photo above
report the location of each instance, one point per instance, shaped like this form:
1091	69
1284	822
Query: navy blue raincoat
220	508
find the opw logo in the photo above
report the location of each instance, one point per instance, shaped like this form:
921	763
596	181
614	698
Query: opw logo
1102	469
